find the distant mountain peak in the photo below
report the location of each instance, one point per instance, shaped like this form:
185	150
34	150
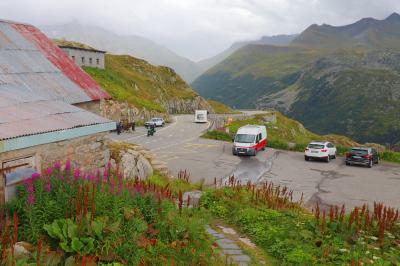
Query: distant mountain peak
393	16
365	32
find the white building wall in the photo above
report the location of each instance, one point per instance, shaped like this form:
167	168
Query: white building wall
85	58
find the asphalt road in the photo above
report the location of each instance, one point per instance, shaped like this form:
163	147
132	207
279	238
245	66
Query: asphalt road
179	145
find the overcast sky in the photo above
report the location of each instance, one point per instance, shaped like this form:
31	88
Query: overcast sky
197	28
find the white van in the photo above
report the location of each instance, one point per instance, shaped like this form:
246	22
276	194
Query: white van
249	140
200	116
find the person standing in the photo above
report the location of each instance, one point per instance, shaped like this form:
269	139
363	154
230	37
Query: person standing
133	125
119	127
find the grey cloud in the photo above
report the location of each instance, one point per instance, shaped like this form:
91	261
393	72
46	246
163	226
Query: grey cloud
197	28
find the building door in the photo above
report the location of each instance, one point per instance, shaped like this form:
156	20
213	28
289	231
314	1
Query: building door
14	173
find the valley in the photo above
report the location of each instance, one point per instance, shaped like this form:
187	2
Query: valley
349	87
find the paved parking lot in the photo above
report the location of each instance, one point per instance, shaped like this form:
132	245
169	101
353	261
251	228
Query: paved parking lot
180	147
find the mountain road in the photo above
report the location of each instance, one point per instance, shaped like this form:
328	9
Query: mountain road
179	145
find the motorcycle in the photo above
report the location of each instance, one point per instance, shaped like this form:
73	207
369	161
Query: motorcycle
150	131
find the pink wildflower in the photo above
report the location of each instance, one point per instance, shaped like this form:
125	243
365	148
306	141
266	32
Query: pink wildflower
109	164
90	177
35	176
31	199
57	165
30	189
27	182
48	187
61	177
112	184
67	165
48	171
77	173
105	173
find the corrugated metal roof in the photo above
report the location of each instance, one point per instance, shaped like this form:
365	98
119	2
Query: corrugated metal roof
58	58
42	116
30	59
38	84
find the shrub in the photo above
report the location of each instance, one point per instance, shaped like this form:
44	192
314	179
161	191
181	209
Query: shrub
390	156
102	217
292	236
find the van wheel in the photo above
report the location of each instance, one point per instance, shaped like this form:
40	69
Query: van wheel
334	156
306	158
263	148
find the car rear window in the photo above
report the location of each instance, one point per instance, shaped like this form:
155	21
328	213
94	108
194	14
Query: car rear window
359	151
316	146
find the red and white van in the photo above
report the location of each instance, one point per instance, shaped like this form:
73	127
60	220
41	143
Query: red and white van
249	140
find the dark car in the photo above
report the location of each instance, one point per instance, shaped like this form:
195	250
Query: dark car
362	156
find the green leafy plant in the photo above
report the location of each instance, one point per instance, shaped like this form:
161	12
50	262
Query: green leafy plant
71	240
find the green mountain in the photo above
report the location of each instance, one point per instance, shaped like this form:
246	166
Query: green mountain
367	33
253	71
343	80
155	88
277	40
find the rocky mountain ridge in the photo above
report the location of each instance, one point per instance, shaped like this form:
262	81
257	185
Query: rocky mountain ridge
351	89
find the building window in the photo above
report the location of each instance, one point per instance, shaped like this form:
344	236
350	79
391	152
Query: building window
73	58
98	61
83	60
90	60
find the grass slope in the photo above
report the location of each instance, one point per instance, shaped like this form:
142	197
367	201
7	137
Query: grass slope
251	72
220	108
144	85
289	134
363	90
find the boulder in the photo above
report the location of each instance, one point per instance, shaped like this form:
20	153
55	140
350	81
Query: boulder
194	197
144	167
21	250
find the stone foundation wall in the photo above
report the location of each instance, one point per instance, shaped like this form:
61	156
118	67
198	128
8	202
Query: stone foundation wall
92	106
89	152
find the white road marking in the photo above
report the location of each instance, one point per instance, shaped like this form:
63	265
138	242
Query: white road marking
159	130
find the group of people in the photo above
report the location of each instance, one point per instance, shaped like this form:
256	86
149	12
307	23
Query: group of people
120	126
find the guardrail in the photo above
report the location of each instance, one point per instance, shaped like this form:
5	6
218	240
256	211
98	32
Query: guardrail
220	120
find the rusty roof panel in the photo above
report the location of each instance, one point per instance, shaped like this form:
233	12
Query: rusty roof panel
31	59
59	59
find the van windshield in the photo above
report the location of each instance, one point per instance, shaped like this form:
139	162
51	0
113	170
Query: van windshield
245	138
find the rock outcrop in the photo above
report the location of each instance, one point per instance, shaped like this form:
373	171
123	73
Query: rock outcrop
135	161
186	106
117	110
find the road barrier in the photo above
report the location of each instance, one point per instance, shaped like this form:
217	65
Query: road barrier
220	120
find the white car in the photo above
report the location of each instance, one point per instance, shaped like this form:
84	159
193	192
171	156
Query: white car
158	122
320	150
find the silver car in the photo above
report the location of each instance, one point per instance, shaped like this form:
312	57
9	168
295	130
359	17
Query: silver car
156	121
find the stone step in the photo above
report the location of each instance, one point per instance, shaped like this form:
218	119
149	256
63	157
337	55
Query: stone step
157	162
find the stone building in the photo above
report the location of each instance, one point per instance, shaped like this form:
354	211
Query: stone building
84	56
41	90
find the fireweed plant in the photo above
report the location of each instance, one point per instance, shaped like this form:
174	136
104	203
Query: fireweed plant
293	235
70	216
